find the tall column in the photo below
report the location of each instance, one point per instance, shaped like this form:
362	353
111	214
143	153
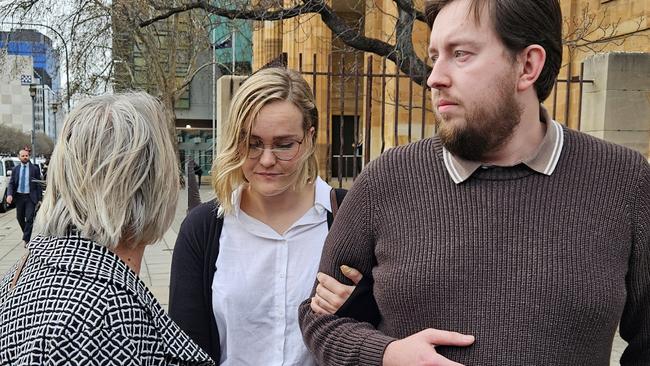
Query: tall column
616	107
380	24
267	41
308	35
258	45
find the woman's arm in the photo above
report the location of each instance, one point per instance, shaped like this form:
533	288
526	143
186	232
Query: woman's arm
188	306
334	297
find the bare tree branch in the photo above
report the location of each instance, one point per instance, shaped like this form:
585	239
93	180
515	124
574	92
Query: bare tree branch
401	53
407	6
253	14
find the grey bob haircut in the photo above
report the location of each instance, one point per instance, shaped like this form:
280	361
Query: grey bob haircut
113	176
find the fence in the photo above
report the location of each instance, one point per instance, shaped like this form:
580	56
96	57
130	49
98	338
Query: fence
563	98
388	108
366	109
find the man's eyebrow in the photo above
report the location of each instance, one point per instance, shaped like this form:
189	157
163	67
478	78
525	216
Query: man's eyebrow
455	43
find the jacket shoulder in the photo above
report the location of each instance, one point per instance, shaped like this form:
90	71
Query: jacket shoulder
203	214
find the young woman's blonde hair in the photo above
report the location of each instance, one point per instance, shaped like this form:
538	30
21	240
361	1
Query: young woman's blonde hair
113	176
263	87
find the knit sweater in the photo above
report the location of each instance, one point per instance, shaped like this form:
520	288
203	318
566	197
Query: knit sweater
540	269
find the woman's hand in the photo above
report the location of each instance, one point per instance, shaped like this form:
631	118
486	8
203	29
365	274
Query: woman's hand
330	293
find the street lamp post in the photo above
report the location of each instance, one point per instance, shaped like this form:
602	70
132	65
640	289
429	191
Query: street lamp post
55	108
32	93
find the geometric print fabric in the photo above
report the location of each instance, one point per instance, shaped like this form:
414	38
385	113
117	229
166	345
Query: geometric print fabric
76	303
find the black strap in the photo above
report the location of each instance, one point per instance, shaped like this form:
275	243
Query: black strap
336	198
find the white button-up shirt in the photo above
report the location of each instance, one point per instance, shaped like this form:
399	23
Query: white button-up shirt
261	278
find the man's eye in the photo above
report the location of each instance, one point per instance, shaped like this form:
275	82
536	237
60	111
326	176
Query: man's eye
459	54
434	58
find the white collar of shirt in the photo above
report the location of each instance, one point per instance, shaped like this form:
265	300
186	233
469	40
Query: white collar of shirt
322	204
543	160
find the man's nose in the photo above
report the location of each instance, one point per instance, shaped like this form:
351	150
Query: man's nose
439	76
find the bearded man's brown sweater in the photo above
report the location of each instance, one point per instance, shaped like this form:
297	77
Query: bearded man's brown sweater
540	269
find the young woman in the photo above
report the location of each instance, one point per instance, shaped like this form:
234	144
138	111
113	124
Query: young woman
243	265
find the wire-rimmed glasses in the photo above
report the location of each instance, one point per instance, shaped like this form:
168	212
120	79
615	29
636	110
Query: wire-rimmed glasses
283	150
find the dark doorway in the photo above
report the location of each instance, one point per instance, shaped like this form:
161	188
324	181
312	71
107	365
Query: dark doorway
343	162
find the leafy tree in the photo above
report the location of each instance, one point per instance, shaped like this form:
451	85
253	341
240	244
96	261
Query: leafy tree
12	140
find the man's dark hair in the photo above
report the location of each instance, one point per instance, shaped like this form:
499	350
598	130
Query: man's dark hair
519	24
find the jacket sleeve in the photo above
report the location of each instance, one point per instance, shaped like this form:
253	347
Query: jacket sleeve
333	339
361	304
635	322
188	306
13	183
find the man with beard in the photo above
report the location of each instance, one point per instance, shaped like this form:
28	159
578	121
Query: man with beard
505	240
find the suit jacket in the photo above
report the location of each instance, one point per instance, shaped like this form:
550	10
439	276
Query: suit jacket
35	189
77	303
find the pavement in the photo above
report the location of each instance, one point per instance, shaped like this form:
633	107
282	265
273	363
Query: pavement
157	257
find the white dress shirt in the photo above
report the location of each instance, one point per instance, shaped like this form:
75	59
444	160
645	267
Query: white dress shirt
261	278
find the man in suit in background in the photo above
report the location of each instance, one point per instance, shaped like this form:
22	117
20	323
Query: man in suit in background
26	192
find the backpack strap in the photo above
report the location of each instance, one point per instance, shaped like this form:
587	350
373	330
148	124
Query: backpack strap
336	198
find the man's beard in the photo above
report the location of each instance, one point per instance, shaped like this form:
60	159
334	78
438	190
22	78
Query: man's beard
487	126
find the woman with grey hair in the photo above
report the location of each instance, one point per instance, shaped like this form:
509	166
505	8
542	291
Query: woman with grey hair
75	298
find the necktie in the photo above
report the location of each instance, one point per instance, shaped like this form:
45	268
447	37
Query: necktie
23	180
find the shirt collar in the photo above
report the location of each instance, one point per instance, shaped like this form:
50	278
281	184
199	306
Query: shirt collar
322	200
543	160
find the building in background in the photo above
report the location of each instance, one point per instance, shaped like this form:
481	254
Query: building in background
30	58
398	110
142	67
607	47
15	101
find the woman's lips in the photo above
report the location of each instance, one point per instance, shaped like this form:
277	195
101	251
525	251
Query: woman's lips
268	175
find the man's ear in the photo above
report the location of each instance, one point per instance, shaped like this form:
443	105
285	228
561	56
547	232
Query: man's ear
531	62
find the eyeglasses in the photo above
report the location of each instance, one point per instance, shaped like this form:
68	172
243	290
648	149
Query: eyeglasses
283	150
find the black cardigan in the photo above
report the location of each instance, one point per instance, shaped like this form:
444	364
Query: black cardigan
192	271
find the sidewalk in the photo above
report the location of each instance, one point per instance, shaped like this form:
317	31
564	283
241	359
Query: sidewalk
157	257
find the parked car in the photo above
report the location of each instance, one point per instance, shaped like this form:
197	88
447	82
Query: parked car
7	163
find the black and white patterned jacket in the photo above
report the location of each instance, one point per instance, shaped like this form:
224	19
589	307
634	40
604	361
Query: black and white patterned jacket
76	303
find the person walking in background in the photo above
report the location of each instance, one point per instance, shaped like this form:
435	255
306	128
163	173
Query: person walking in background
507	239
75	298
198	172
242	266
46	165
25	192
